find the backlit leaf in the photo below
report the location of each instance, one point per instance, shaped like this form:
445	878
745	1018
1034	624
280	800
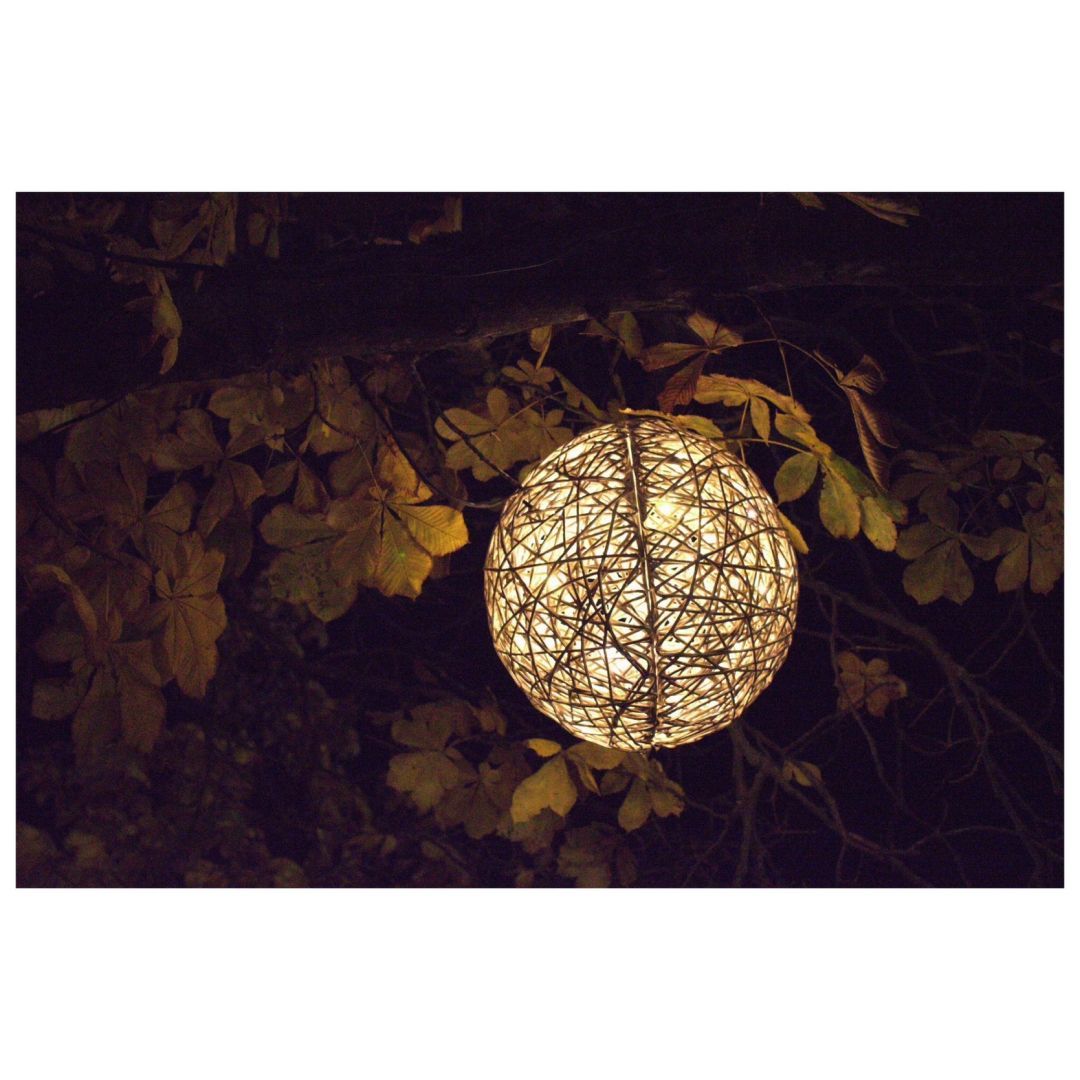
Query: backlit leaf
714	335
440	530
679	389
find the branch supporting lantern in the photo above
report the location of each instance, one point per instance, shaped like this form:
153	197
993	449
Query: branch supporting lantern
640	586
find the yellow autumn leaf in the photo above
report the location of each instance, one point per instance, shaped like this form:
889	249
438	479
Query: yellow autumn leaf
544	747
804	773
798	541
389	537
550	788
635	808
400	566
440	530
759	418
596	756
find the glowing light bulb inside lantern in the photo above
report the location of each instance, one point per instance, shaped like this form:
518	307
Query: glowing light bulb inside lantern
664	514
627	579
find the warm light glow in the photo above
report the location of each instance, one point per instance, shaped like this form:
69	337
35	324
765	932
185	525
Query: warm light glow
640	586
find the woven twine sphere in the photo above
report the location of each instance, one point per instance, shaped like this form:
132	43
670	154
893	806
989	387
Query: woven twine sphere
640	586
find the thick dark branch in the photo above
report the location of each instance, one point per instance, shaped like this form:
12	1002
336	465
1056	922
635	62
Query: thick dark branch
252	317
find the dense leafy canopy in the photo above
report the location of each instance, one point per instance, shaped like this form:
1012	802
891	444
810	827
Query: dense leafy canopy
248	604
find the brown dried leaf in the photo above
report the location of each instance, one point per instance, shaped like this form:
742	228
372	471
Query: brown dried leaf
679	389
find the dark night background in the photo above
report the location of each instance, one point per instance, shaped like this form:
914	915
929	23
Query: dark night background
278	775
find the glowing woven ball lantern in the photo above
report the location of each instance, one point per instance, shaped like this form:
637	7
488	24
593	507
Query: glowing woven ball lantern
640	586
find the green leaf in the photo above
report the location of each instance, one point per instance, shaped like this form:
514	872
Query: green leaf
801	432
880	529
839	506
794	477
982	547
702	425
732	391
